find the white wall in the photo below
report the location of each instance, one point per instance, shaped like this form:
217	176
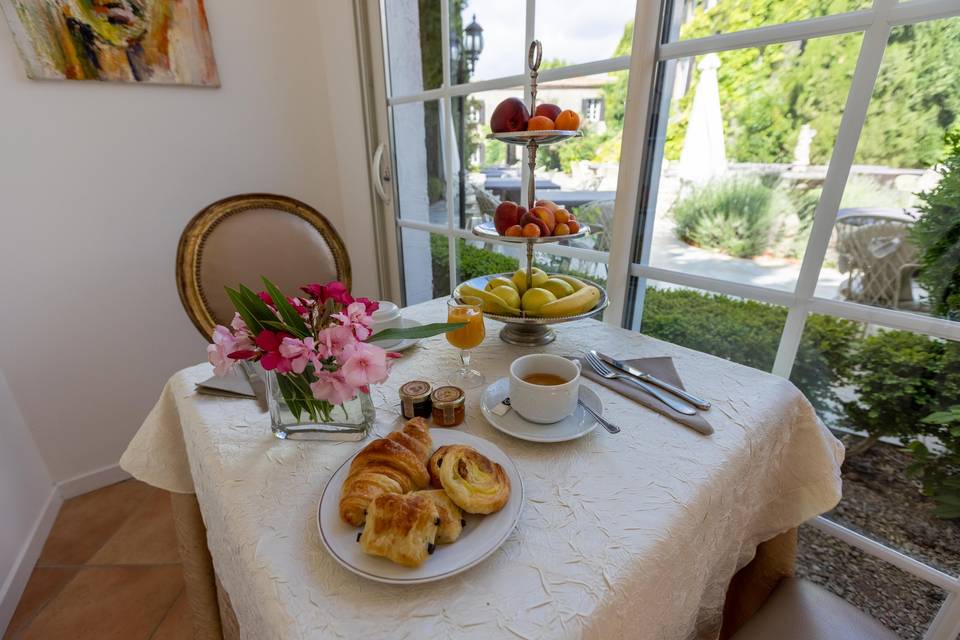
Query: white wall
98	180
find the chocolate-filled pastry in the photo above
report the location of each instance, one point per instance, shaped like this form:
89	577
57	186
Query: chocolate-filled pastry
433	467
475	483
386	465
451	517
401	528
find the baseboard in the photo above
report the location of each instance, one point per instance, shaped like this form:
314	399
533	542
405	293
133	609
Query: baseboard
16	580
91	481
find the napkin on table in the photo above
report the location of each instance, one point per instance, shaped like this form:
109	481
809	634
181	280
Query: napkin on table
232	385
660	367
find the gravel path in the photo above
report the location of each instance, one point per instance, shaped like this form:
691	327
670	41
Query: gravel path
880	501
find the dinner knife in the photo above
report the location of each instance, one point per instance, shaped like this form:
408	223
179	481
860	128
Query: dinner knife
256	383
696	401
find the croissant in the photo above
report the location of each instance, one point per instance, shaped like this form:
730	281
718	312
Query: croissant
395	464
475	483
451	517
402	528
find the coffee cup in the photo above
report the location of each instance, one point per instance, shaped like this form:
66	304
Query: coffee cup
387	316
544	388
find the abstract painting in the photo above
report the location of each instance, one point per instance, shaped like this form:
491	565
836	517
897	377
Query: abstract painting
150	41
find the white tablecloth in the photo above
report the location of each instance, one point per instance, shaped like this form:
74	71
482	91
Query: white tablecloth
628	536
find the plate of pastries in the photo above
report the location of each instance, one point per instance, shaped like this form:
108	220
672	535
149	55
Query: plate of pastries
420	505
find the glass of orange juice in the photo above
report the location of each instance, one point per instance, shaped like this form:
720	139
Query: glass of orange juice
470	310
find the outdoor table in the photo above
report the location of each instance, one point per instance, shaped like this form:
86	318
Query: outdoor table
509	188
634	535
572	199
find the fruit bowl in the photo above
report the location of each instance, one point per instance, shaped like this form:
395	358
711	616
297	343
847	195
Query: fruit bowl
531	331
541	137
487	231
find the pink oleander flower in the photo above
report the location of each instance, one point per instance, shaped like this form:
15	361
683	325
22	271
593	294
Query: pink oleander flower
364	364
335	290
269	342
331	386
369	305
218	353
263	295
300	353
333	340
355	317
238	325
299	305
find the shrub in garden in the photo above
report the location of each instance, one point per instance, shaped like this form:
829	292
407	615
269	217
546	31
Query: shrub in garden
937	234
474	262
733	215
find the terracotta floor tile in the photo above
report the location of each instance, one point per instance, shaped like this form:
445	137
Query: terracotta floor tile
43	585
147	536
178	623
86	522
109	603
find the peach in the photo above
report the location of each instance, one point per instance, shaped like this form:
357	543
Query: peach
549	204
507	214
561	229
540	123
530	230
530	218
547	110
568	120
574	226
510	115
546	216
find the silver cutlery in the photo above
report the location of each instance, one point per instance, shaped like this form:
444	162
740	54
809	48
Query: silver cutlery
605	372
696	401
606	424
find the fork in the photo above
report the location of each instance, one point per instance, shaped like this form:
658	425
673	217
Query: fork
605	372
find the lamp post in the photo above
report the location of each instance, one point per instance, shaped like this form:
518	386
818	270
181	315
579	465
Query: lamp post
465	57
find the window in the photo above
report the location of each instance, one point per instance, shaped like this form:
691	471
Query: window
783	191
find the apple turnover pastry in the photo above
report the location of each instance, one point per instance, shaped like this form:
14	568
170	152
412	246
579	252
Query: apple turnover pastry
401	528
474	482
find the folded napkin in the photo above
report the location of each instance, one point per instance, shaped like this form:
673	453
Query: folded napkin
232	385
660	367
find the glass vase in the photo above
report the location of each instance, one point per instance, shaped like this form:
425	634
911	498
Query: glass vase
311	419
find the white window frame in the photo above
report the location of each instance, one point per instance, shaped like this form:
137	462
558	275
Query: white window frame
630	239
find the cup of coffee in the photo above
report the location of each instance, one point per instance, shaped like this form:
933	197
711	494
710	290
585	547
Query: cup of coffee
387	316
544	388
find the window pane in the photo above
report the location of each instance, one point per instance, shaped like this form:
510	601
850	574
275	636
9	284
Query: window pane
701	18
490	169
413	45
418	145
503	52
893	397
743	331
896	243
746	148
426	266
572	31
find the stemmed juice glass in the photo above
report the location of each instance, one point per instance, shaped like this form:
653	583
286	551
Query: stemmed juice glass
470	310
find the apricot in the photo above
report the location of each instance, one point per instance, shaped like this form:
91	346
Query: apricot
514	231
562	215
540	123
531	230
567	120
562	229
574	226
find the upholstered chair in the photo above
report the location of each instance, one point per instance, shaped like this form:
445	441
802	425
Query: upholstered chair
239	239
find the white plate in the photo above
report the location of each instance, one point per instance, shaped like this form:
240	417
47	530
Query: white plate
576	425
400	345
481	536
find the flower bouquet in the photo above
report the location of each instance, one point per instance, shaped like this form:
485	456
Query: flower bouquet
316	352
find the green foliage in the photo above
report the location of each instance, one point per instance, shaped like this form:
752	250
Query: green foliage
552	63
937	234
768	93
615	93
734	215
940	470
561	157
436	189
473	262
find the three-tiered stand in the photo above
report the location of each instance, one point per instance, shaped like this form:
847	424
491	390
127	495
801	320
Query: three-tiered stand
528	330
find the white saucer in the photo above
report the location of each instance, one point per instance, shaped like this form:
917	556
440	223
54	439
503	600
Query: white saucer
400	345
576	425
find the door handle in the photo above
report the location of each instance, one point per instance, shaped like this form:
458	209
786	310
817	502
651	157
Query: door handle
379	176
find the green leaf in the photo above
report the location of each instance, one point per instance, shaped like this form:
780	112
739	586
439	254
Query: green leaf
947	512
294	322
248	318
257	307
940	417
422	331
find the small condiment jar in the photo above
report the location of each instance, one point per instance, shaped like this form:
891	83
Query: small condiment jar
448	409
415	399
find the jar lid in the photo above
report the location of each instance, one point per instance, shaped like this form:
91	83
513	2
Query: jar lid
448	397
415	390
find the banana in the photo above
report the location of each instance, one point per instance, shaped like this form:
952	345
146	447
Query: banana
573	282
491	303
579	302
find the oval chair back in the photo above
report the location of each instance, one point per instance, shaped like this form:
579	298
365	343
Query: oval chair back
241	238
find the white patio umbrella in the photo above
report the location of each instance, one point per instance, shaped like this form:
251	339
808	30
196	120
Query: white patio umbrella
703	156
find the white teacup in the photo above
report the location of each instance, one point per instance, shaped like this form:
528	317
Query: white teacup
544	403
387	316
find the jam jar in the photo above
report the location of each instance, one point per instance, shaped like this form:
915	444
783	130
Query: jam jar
448	409
415	399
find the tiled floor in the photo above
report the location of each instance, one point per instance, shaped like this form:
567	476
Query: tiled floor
109	570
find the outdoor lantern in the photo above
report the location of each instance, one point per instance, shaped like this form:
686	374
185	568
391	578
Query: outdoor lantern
473	42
